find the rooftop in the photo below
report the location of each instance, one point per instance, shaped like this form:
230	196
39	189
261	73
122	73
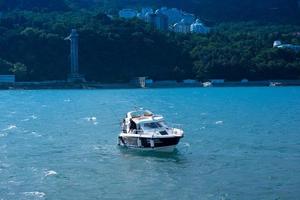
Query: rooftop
144	116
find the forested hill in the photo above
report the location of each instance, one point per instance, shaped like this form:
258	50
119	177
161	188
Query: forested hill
239	46
209	10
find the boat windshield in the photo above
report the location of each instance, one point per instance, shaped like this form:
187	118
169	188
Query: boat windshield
153	125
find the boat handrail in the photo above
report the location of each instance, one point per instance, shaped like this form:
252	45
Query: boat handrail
138	132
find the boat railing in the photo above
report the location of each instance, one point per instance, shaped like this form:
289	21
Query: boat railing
175	127
172	127
138	132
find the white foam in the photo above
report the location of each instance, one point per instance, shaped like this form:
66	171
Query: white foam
36	134
35	194
10	127
33	117
3	134
219	122
186	144
96	147
91	119
50	173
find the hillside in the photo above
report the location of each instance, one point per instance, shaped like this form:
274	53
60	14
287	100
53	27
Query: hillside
32	42
209	10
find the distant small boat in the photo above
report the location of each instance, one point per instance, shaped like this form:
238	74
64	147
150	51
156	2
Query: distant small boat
144	130
207	84
275	84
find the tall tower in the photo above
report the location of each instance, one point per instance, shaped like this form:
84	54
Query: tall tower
74	75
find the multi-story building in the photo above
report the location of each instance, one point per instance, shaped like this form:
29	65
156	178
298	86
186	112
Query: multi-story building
128	13
189	18
144	11
198	27
181	27
142	15
158	20
174	15
164	19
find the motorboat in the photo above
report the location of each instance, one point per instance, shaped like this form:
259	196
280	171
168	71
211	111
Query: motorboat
207	84
144	130
275	84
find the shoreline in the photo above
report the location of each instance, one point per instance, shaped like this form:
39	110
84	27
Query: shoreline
93	85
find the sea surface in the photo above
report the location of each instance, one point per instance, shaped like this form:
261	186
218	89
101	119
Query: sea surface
240	143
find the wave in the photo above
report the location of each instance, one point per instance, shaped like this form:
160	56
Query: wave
36	134
10	127
219	122
35	194
92	119
50	173
33	117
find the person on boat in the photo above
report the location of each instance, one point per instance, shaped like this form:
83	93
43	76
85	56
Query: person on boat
132	126
124	126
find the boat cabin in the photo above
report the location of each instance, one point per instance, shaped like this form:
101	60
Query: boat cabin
143	121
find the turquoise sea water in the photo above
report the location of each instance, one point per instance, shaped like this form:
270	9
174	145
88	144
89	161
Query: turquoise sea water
240	143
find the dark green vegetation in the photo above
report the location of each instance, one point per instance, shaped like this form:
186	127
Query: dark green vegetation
32	42
209	10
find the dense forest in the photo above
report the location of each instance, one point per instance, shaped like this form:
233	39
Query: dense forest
239	46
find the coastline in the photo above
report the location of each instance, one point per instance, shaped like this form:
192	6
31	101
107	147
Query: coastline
93	85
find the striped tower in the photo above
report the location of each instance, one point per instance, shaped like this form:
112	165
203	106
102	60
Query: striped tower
74	75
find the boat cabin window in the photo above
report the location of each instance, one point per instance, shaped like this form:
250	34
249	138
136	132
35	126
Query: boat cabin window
153	125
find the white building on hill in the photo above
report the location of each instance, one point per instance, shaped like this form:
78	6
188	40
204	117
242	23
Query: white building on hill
198	27
189	18
181	27
158	20
146	10
174	15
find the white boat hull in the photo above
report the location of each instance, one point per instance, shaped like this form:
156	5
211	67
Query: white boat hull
166	144
166	149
